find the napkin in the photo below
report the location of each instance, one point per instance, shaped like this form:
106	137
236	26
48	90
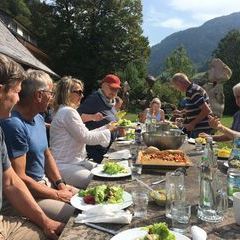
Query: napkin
198	233
104	214
122	154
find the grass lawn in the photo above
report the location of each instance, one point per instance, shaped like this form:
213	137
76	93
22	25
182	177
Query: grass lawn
226	120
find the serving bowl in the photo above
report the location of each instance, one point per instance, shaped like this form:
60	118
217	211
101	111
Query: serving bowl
172	139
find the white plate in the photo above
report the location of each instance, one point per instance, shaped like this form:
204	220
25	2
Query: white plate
135	233
124	142
78	202
226	164
121	139
192	141
98	171
121	154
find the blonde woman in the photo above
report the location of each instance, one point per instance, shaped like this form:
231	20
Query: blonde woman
155	110
69	135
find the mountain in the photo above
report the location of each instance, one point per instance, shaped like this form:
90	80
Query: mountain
199	42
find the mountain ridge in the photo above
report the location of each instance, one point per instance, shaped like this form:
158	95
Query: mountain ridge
199	42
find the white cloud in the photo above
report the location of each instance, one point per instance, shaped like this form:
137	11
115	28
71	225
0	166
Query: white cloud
174	23
205	9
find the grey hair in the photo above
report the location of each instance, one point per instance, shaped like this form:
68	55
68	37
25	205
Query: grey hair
36	80
236	89
179	77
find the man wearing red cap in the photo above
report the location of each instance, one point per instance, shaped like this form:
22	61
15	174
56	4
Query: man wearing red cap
103	101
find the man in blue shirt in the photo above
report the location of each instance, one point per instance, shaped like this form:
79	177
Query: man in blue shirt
11	76
103	101
26	141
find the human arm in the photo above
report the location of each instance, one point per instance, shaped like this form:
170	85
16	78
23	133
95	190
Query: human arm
162	114
205	111
38	190
24	202
215	123
72	123
92	117
52	172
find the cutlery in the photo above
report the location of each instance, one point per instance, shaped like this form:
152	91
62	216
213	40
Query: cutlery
180	169
160	181
92	225
144	184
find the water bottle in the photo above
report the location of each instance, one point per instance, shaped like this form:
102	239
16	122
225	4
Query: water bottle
213	200
138	134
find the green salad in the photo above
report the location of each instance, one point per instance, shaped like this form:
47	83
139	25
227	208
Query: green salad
124	122
158	231
102	194
113	168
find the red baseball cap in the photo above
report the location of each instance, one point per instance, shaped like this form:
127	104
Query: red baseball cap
112	80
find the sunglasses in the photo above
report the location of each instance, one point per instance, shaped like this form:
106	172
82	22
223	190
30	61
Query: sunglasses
78	92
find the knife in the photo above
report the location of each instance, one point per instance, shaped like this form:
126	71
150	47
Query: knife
93	225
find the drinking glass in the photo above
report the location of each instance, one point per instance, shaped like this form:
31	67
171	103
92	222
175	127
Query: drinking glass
140	203
175	189
181	213
198	145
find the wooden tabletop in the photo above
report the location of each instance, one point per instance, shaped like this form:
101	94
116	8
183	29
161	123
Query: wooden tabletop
227	229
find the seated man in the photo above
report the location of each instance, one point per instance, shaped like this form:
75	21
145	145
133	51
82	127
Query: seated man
15	228
101	101
28	150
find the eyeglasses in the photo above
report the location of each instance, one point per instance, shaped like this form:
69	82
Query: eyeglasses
78	92
48	91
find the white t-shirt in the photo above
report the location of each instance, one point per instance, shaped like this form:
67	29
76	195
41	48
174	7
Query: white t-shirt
69	136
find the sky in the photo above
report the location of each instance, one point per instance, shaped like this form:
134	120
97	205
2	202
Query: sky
164	17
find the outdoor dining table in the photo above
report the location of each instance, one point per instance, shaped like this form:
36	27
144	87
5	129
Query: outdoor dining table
227	229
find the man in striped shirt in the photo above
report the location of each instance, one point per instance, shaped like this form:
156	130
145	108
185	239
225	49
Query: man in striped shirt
197	106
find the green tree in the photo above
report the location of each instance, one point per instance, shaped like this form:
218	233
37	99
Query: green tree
93	37
178	61
18	9
228	51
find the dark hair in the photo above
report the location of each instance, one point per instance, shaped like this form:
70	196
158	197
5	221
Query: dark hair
10	72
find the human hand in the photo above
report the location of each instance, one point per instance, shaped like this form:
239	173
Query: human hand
64	195
189	127
52	229
214	122
112	126
72	189
177	113
98	117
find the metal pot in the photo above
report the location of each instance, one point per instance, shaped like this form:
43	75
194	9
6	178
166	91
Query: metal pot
172	139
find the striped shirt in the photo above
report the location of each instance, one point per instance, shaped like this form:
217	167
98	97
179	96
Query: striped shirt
196	96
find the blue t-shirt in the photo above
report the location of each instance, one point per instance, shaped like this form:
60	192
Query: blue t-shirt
5	163
24	137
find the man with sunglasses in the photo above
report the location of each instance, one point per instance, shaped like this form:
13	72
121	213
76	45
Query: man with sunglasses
101	101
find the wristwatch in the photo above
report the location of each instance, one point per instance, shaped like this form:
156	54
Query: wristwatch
61	180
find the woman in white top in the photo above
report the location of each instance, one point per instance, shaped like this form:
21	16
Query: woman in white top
69	135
